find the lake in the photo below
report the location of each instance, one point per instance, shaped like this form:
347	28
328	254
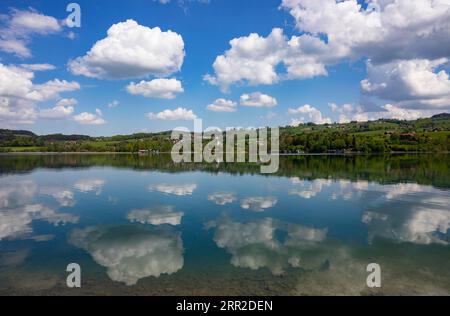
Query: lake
142	225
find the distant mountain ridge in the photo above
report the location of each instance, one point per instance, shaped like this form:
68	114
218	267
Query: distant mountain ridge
75	137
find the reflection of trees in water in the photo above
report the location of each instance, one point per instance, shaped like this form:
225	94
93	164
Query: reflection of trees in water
421	168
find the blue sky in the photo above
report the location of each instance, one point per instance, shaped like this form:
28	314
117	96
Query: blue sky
206	30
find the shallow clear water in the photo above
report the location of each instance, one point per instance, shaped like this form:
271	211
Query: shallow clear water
145	226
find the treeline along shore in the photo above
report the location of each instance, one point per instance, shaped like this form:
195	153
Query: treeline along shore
381	136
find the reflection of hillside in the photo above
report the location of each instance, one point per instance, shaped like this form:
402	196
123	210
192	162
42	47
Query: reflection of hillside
423	169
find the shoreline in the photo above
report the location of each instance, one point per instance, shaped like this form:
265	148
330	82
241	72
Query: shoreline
168	153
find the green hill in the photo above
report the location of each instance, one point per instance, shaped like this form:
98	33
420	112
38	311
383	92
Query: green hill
385	135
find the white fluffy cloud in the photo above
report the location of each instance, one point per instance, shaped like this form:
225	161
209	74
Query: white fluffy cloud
16	223
63	109
253	59
259	203
309	189
90	185
255	244
67	102
384	31
175	189
179	114
131	50
405	55
257	99
16	111
113	104
17	28
33	21
222	105
63	196
222	198
131	253
313	114
421	214
87	118
16	82
157	88
348	113
38	67
158	215
19	94
18	209
411	83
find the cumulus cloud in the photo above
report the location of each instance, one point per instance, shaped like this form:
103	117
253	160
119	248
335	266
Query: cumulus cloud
349	113
175	189
179	114
19	94
16	82
38	67
254	59
18	209
412	83
309	189
382	31
17	28
405	56
421	214
63	109
255	245
64	197
131	253
14	190
222	105
157	88
87	118
131	50
67	102
158	215
90	185
16	111
258	203
51	89
222	198
16	223
257	99
313	114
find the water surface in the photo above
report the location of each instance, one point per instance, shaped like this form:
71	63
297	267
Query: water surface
142	225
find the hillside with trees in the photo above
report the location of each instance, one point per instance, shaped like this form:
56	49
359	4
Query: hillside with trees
381	136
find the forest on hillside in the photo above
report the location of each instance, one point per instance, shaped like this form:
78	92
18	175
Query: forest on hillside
381	136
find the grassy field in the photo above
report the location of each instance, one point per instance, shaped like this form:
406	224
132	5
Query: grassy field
24	149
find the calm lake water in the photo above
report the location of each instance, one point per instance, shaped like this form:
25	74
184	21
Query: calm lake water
145	226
